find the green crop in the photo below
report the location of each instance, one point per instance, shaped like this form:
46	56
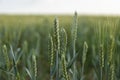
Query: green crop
43	47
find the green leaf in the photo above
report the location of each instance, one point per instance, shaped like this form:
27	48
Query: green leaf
72	61
28	72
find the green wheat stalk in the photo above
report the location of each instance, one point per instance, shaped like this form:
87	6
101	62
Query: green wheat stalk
34	64
101	60
51	52
63	51
65	73
85	49
57	45
74	36
6	57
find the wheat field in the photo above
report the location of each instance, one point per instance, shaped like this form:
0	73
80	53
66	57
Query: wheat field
59	47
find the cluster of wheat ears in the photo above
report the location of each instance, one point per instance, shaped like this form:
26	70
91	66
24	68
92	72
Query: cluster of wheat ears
63	65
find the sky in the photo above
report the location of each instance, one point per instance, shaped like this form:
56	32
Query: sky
60	6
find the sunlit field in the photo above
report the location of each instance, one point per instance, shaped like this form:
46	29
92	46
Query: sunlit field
59	47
